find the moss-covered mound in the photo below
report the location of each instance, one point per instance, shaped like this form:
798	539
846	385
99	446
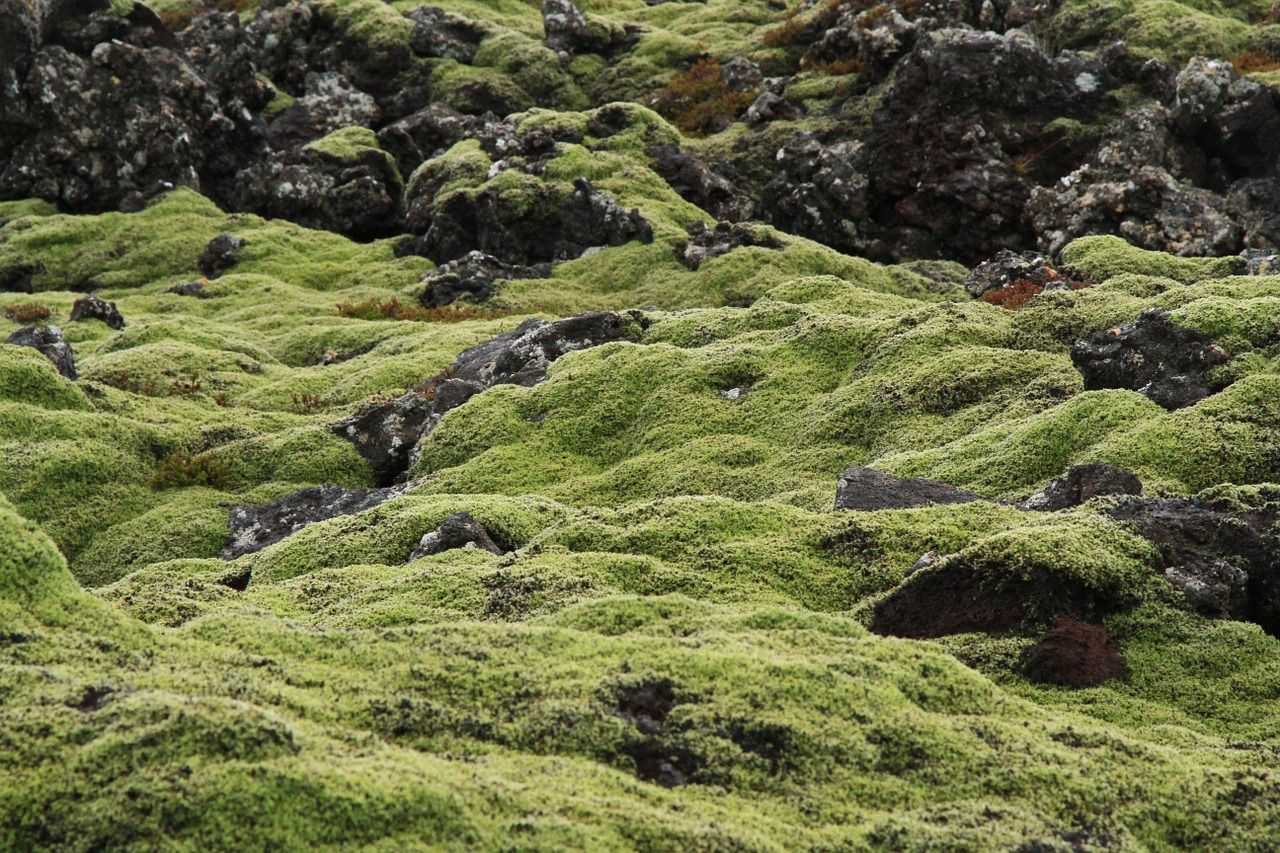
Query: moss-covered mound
658	632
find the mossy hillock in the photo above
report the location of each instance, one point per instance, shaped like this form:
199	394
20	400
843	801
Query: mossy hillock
664	635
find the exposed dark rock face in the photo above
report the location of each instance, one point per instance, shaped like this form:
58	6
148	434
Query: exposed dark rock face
820	192
1168	363
1074	654
1226	560
1006	269
459	530
387	436
439	34
1083	483
254	528
18	279
770	107
554	227
473	276
96	308
712	242
867	489
569	32
434	129
190	288
951	596
693	181
359	195
221	253
330	103
50	342
958	139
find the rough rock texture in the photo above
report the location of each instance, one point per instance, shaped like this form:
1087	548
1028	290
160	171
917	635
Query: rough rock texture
1226	560
1083	483
96	308
434	129
331	103
1074	654
388	434
694	181
459	530
472	276
951	596
556	227
712	242
50	342
568	31
221	253
359	194
1170	364
253	528
867	489
820	192
440	34
1006	269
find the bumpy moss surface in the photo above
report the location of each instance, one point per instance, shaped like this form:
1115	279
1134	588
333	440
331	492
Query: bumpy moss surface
673	654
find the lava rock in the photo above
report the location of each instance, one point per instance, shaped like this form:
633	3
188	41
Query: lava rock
1007	268
555	228
770	107
473	275
867	489
1074	654
357	194
1083	483
438	34
50	342
820	192
253	528
331	103
706	243
459	530
1258	261
1224	558
694	182
1167	363
190	288
220	254
435	129
96	308
387	433
569	32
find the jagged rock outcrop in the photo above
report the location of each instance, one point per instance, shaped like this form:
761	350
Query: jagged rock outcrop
253	528
1083	483
459	530
472	276
1170	364
866	489
220	254
96	308
48	340
388	434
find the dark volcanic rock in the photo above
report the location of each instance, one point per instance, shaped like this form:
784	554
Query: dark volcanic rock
387	436
951	596
706	243
1168	363
694	182
1226	560
1006	269
867	489
190	288
472	275
18	279
358	194
434	129
330	103
568	31
1073	654
221	253
50	342
820	192
959	139
96	308
459	530
1083	483
253	528
439	34
556	227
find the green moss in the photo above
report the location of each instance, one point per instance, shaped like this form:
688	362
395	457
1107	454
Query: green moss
1100	258
26	376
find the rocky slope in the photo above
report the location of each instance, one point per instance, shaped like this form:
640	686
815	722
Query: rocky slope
639	426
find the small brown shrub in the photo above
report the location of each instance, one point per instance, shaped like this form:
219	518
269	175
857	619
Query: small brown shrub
27	313
394	309
1254	62
699	102
182	469
1018	295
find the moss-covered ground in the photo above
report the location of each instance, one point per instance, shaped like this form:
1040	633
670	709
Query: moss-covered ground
674	655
